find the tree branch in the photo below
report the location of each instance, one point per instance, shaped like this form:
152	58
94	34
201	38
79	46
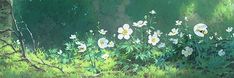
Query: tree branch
6	30
4	41
19	35
32	38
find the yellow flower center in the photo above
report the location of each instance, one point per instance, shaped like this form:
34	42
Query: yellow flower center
125	32
154	39
82	48
101	42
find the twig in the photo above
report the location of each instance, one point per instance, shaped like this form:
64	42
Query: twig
7	54
22	50
6	30
20	37
32	38
4	41
34	47
43	63
3	46
32	64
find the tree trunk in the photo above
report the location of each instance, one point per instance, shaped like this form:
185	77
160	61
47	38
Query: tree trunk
5	17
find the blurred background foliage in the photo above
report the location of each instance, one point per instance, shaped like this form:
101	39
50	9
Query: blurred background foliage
52	21
5	18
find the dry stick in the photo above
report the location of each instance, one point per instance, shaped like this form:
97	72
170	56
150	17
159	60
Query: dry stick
22	53
20	37
8	44
43	63
32	38
7	54
4	41
3	31
3	46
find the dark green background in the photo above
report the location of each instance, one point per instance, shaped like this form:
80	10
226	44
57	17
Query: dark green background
53	21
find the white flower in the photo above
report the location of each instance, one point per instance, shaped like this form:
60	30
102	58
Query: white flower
91	31
221	52
200	29
186	18
190	36
148	31
137	41
174	41
173	32
158	32
60	52
152	12
82	48
215	33
220	38
140	23
178	22
124	32
181	34
111	44
153	39
105	56
187	51
103	43
229	29
17	42
72	37
102	31
211	37
200	41
161	45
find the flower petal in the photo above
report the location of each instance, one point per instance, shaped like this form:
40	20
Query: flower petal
120	30
126	37
125	26
130	31
120	36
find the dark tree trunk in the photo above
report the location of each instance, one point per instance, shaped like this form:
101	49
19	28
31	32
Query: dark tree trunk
5	17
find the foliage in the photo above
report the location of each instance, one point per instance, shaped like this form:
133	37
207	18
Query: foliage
137	50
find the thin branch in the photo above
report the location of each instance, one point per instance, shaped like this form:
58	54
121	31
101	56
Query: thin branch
23	57
4	41
32	64
6	30
19	35
8	54
43	63
3	46
34	47
32	38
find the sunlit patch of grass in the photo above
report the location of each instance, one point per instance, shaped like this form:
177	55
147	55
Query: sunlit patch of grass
188	9
224	10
